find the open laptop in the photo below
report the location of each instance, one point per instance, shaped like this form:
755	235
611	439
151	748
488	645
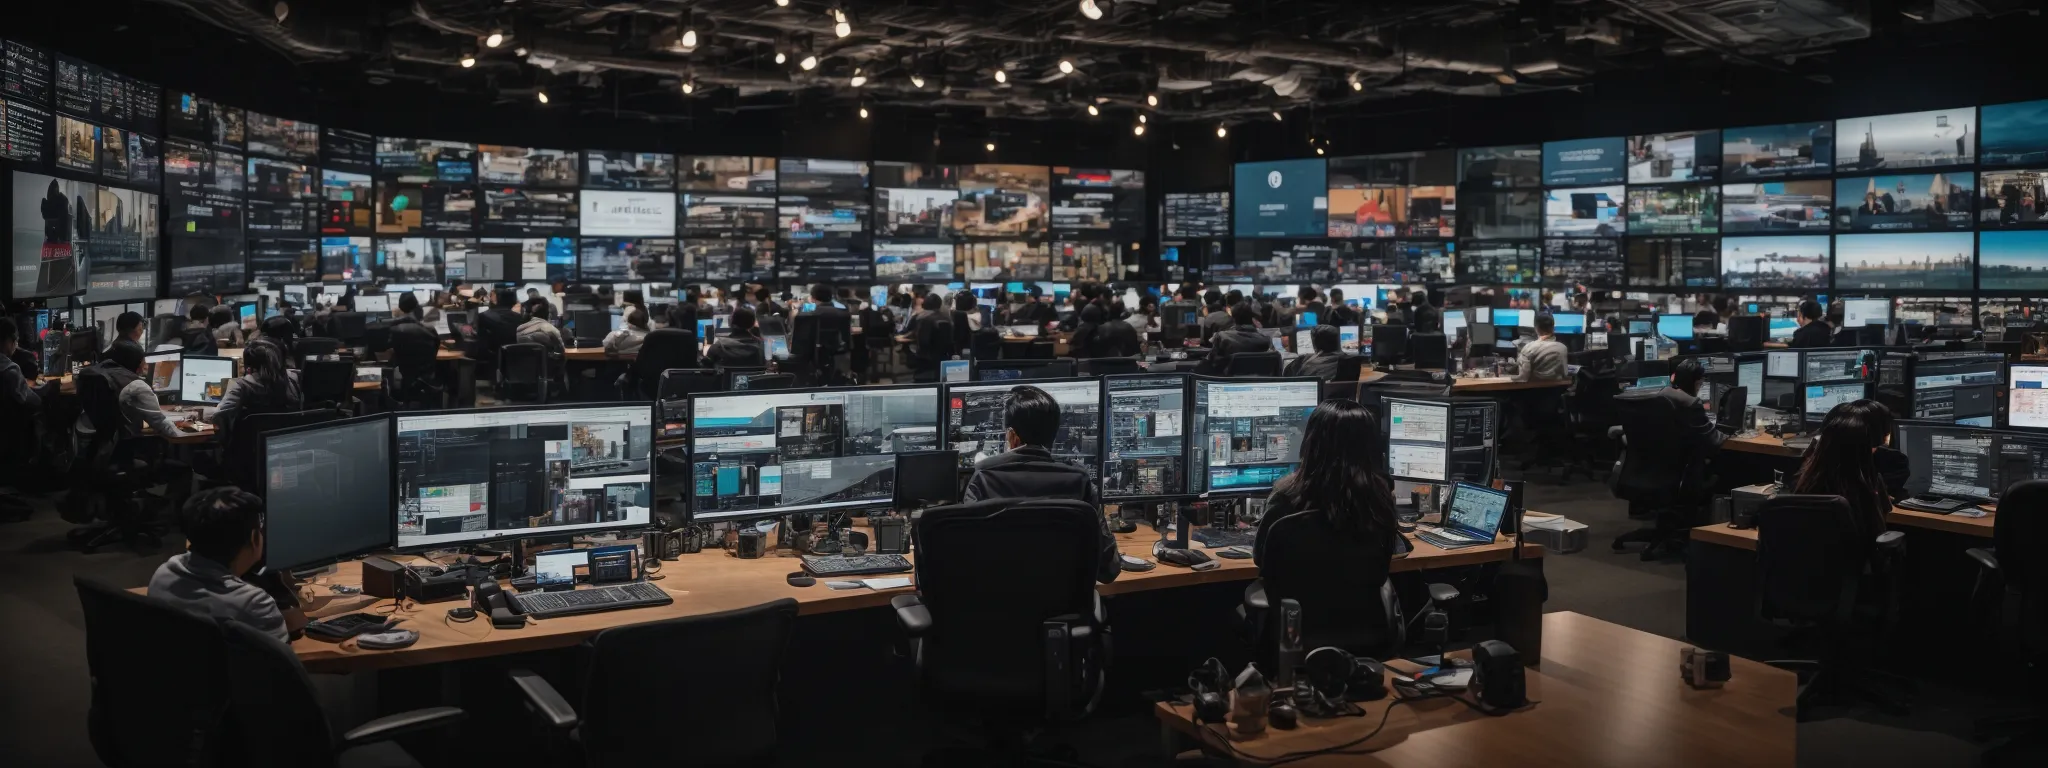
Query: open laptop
1472	518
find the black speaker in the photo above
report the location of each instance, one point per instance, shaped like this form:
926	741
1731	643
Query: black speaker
382	578
1497	675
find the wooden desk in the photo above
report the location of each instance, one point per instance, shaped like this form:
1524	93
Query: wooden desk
1763	444
713	581
1608	695
596	355
1745	538
1461	386
205	434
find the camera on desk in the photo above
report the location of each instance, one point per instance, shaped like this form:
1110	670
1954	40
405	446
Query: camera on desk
1701	668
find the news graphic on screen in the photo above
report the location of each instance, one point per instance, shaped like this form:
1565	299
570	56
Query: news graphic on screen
284	260
1678	210
325	492
1962	391
1362	207
1248	434
1196	214
806	217
52	226
718	214
2012	261
1777	261
26	72
2012	199
24	131
825	258
501	165
522	259
407	208
626	259
611	169
1085	261
347	204
902	261
124	243
295	140
1003	201
777	452
1145	439
113	152
1281	198
1930	139
1913	261
1905	203
282	197
731	258
1497	263
204	201
145	160
1777	206
1594	262
613	213
2015	134
1510	215
1506	167
911	212
1004	260
1281	260
1400	262
1098	202
2026	396
1594	211
78	145
346	259
1674	262
976	425
510	472
202	120
1584	162
78	86
420	161
731	174
1777	151
523	212
348	151
1660	158
410	259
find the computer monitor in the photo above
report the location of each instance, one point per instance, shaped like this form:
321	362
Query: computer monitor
1749	375
706	328
374	304
1305	320
1782	328
925	479
1015	370
977	428
672	397
1418	438
326	492
466	476
590	323
556	570
1144	450
777	452
1570	322
1674	326
1248	433
2021	457
1961	390
1638	326
1832	366
952	371
1731	409
1514	318
204	380
1347	338
1949	461
163	371
350	327
2026	396
1857	313
1475	510
1453	323
1652	382
1389	343
1781	364
1304	340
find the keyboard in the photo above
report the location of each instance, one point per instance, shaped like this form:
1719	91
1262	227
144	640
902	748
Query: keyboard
1446	541
1935	504
1219	539
857	565
617	597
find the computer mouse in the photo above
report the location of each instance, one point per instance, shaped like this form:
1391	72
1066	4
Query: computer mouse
802	579
1120	525
1136	564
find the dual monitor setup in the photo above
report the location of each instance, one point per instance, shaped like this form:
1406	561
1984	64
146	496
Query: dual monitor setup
189	379
1965	388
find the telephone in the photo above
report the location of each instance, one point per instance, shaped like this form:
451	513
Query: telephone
487	597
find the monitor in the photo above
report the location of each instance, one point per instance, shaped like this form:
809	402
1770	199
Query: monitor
1514	318
977	427
776	345
1476	510
1638	326
1482	314
1782	364
1570	322
475	475
1949	460
349	326
1782	328
1837	365
1144	436
1453	323
1248	434
2021	457
706	328
1674	326
777	452
1305	320
162	369
556	570
925	479
379	304
956	371
1304	341
1652	382
1389	343
1012	370
590	323
1347	338
326	492
1962	391
204	380
1418	440
1821	398
2026	396
1749	374
1857	313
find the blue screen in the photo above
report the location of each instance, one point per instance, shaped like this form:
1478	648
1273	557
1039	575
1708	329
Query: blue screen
1783	327
1307	320
1514	318
1674	326
1280	199
1570	322
1584	161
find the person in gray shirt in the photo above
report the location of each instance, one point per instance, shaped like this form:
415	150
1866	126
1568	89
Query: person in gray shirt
224	540
138	402
1544	358
14	384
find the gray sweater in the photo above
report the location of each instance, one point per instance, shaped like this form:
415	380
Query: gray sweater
204	588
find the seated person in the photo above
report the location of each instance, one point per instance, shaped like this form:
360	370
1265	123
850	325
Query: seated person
267	385
1544	358
1694	425
741	346
1850	458
122	365
1813	331
497	326
1334	484
1322	362
1242	337
629	336
198	334
1706	323
224	540
1028	470
538	329
227	332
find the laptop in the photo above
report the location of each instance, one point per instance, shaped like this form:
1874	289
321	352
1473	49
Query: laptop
1473	517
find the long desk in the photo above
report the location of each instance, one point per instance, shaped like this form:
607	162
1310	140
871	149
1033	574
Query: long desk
1462	385
1605	695
1980	527
1761	444
713	581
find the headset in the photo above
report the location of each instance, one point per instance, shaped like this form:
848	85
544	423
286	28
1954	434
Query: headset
1335	678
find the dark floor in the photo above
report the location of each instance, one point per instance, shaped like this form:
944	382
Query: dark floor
43	692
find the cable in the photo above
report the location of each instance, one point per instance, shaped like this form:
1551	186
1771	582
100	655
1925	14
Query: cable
1289	757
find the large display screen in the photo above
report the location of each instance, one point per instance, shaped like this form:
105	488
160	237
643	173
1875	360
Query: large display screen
748	259
24	132
527	166
2015	134
1777	206
1776	151
904	261
716	213
1904	261
1002	201
1674	262
2012	261
1595	211
407	208
1582	162
346	259
475	475
198	119
78	145
284	260
24	71
1776	261
613	213
521	259
2012	199
410	259
1912	140
836	258
282	197
1197	214
347	203
1658	158
519	211
418	161
1497	263
1073	261
913	212
1501	215
1589	261
1904	203
1098	202
1004	261
626	259
52	223
204	201
1374	195
278	137
609	169
1676	210
1507	167
348	152
1283	198
756	175
772	453
123	246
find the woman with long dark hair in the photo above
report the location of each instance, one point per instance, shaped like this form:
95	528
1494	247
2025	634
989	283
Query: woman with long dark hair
1338	480
267	385
1843	461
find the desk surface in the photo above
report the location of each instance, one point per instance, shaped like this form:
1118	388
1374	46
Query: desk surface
1488	384
713	581
1745	538
596	355
1763	444
1606	695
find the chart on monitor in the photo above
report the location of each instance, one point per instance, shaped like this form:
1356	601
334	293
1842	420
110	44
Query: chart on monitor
1248	435
755	454
505	473
1145	440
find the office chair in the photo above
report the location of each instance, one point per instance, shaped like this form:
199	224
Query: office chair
1108	366
934	344
727	378
1810	559
878	339
314	347
1651	472
241	454
1314	566
1262	363
661	350
110	477
1349	369
2010	573
987	344
1545	410
1039	349
279	723
1590	406
1036	651
132	721
616	723
328	384
523	374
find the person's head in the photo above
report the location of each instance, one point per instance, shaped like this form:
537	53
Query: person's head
916	289
1809	311
504	298
763	295
224	525
637	318
1325	338
1705	318
1687	375
198	313
899	300
742	322
1336	296
1839	461
1033	416
1545	324
1214	298
10	336
542	311
1421	298
1336	477
1243	314
1307	295
409	305
1835	314
821	293
1615	324
933	303
532	293
130	326
963	301
1036	292
1148	305
1092	313
1723	305
1234	298
125	353
219	316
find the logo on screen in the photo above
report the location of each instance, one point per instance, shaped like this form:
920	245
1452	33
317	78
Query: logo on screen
1273	179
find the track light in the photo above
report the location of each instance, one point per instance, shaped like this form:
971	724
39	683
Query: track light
809	63
1092	111
782	3
781	57
494	40
689	86
1138	130
1141	118
1319	150
1356	84
1151	99
520	51
858	79
542	95
468	61
1091	10
1276	116
281	11
1222	131
689	38
917	81
1066	67
840	26
1002	77
991	146
863	113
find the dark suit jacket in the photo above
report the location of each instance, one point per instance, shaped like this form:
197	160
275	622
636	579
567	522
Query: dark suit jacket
1813	335
1242	338
1695	425
496	328
1030	472
1428	319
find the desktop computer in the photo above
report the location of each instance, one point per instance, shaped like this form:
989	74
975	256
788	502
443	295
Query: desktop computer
1674	327
2026	396
765	454
326	492
924	479
1961	390
1144	450
204	380
163	372
1389	343
1950	462
466	476
1247	434
976	427
374	304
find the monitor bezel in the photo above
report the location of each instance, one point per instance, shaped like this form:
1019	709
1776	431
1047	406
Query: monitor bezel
1186	443
770	513
1194	382
390	478
234	367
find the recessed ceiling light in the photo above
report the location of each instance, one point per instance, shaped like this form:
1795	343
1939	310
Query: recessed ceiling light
991	146
1138	130
863	113
1091	10
1066	67
1222	131
468	61
1093	111
1151	99
809	63
494	40
781	57
916	81
542	95
1002	77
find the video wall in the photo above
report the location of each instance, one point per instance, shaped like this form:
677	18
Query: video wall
1938	202
107	172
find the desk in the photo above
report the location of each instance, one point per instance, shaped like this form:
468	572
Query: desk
205	434
713	581
1609	695
596	355
1762	444
1980	527
1480	385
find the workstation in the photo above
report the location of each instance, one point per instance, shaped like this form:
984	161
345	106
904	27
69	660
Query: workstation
1101	384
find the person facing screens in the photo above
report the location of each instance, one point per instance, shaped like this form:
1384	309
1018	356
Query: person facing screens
1705	322
20	399
1218	318
1028	470
1542	359
763	454
198	333
267	385
1423	317
740	347
473	475
1694	425
130	326
1242	336
1336	483
499	325
224	539
627	338
1849	458
1813	331
1321	362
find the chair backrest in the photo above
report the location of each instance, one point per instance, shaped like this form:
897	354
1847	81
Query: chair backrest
102	406
1349	368
315	346
986	344
1108	366
327	381
2017	535
242	452
1807	558
678	383
1335	578
963	332
985	640
1653	464
769	381
733	697
523	365
161	707
1263	363
278	723
664	349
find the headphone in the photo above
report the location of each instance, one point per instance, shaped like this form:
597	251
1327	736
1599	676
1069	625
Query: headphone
1335	679
1211	683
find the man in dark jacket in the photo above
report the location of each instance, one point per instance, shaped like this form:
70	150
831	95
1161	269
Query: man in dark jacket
1218	320
1424	318
1118	337
825	317
414	346
932	338
740	347
1341	314
1813	331
1322	362
198	335
1028	470
1243	337
498	326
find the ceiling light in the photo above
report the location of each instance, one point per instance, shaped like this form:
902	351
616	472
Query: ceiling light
863	113
542	95
991	146
1066	67
1276	115
917	81
689	38
781	57
1002	77
281	10
1093	111
520	51
1319	150
1222	131
858	80
468	61
1091	10
842	29
1151	99
839	14
782	3
494	40
689	86
809	63
1141	118
1138	130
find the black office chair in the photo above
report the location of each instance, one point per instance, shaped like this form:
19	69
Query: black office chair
1263	363
1810	561
1590	405
1545	410
523	374
1310	564
145	711
987	344
329	384
2010	573
733	702
278	723
934	345
108	497
1108	366
663	349
315	347
1651	473
1349	368
993	653
1428	350
241	455
878	340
